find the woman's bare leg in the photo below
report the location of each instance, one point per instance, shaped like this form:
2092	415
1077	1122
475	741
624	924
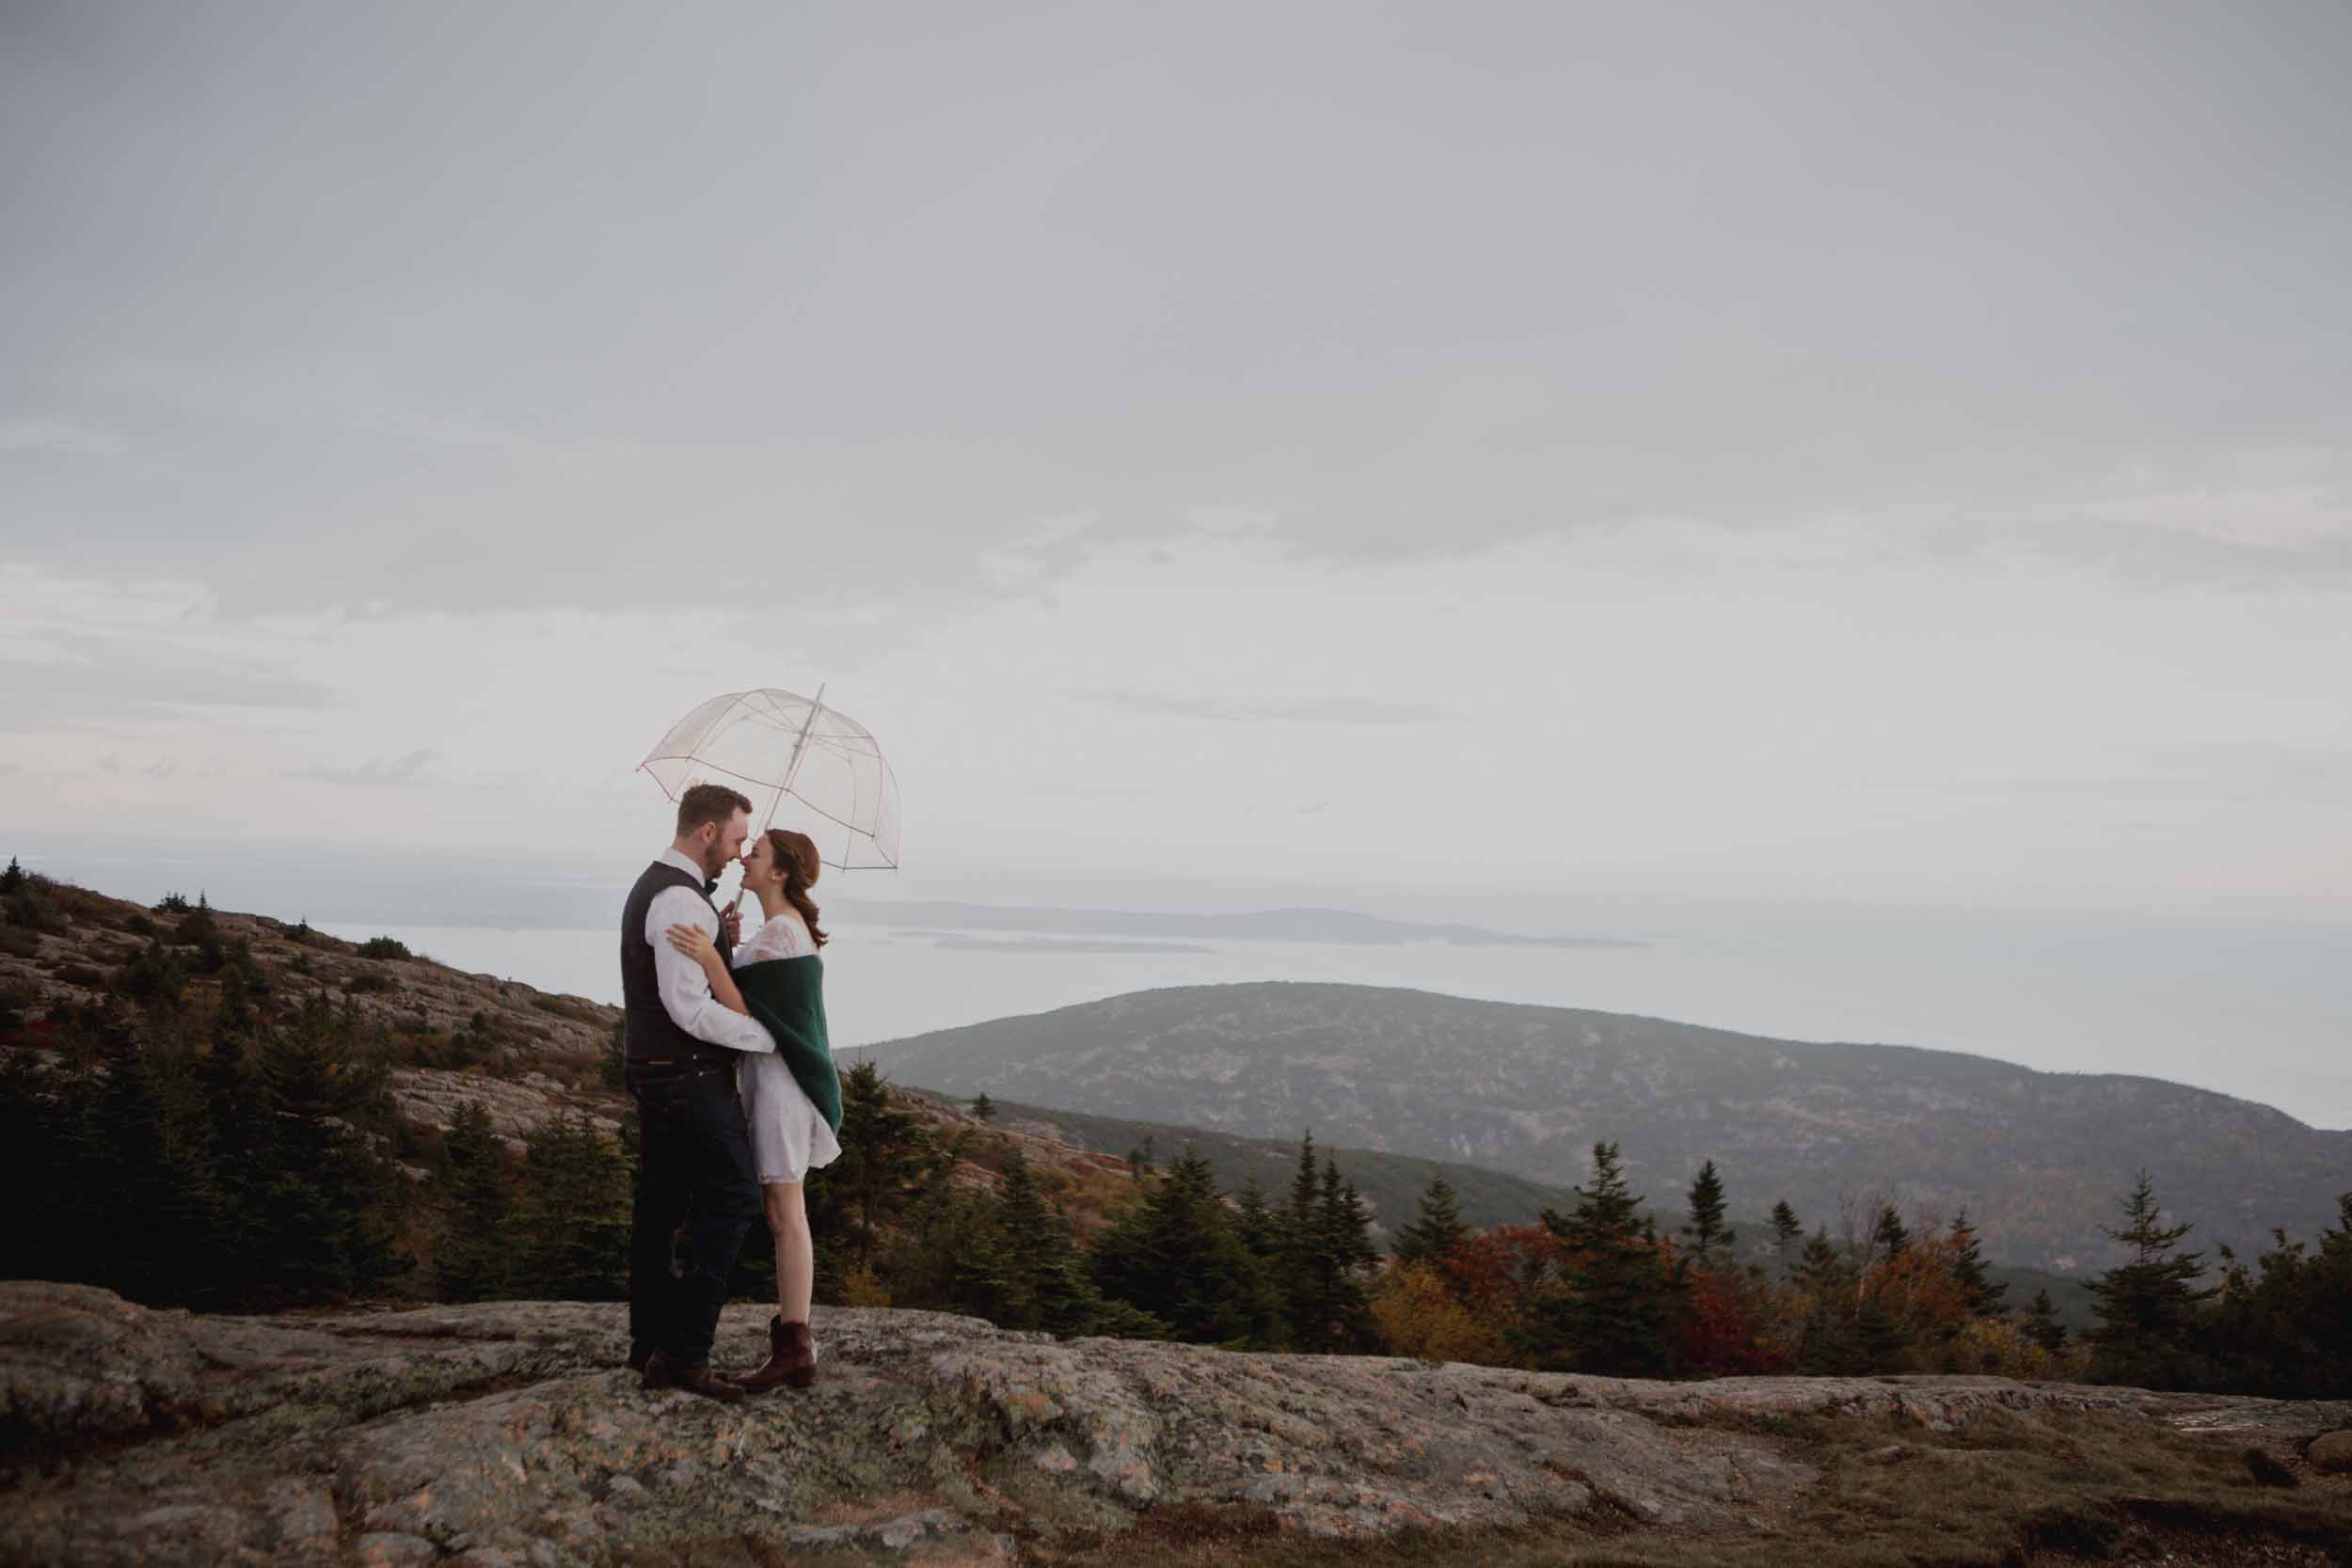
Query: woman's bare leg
796	1254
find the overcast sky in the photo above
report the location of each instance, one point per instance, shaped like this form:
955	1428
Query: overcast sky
1897	451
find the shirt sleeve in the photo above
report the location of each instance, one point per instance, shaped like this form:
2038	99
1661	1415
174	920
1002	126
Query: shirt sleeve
685	988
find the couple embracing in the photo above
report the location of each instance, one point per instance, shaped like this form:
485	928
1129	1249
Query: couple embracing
736	1096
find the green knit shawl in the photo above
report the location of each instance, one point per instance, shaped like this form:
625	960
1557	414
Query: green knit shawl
788	997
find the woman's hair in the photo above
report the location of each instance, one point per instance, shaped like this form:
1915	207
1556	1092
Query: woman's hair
796	857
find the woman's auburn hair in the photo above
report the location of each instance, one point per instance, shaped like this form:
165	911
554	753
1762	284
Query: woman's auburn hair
796	853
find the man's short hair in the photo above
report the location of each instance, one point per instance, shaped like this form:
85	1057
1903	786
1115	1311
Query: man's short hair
708	802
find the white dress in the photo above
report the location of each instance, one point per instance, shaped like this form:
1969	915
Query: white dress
788	1135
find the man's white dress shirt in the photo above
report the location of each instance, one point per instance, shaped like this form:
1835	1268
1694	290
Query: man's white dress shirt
685	988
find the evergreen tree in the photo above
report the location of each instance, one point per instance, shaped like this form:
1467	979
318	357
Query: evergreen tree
1436	1228
472	1211
1706	1229
2286	1331
571	1230
1177	1257
984	1108
199	929
1613	1309
884	1154
162	1233
1968	1268
1828	1284
1887	1235
12	878
1294	1233
1258	1225
2042	1324
1786	1229
323	1204
1047	1285
1338	1255
2146	1308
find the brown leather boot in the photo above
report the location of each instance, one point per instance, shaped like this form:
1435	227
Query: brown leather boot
663	1372
791	1359
800	1349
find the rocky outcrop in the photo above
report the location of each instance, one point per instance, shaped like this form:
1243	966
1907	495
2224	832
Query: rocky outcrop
434	1095
509	1434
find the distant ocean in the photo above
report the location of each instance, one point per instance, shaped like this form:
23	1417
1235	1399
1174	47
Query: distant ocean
2261	1009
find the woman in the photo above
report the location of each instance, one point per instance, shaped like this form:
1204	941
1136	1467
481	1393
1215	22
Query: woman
791	1096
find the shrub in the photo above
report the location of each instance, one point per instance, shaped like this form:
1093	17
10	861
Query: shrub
33	906
18	943
364	984
174	903
384	947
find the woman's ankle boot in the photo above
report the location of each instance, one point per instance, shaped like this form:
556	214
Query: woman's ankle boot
777	1369
799	1354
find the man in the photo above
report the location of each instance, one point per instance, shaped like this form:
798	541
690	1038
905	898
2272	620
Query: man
680	1046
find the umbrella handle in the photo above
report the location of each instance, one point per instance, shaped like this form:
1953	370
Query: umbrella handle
791	770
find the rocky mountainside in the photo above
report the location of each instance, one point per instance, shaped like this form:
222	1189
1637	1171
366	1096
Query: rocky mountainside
2039	1160
507	1433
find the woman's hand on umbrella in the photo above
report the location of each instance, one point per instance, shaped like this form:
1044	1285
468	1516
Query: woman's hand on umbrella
694	942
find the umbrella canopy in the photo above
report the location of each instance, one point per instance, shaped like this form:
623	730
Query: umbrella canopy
804	766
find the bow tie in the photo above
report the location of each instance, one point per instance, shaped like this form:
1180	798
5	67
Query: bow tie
710	887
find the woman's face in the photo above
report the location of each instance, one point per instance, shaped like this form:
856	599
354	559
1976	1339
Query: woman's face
759	866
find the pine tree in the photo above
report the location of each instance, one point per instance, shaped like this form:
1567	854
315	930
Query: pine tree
571	1231
1044	1286
1339	1313
1706	1229
1827	1282
12	878
1969	1268
1613	1309
1887	1235
2146	1308
1437	1227
1786	1229
2042	1324
1294	1233
884	1154
472	1206
1257	1224
324	1204
1176	1257
166	1230
199	929
984	1108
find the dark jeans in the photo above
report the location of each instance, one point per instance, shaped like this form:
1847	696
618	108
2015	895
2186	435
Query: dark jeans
695	1165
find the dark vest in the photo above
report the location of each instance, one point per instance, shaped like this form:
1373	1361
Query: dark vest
648	1031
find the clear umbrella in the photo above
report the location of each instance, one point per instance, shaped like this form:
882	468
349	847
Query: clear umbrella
804	766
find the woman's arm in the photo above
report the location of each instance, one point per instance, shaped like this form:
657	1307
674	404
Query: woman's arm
696	944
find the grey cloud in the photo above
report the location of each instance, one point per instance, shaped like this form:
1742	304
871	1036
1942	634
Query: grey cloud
1260	710
402	772
2273	774
103	678
60	437
881	292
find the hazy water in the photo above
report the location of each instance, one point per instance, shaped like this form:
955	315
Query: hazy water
2257	1009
